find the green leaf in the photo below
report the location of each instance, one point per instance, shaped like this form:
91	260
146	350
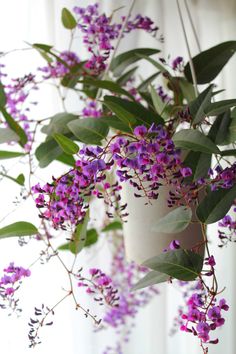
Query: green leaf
71	79
115	225
80	235
66	159
155	63
10	154
180	264
150	279
122	81
197	107
199	164
7	135
158	103
89	130
209	63
120	63
175	221
3	99
131	113
19	179
107	85
115	123
67	145
145	83
91	237
68	19
45	47
219	107
47	152
20	228
45	51
58	123
187	89
220	128
15	127
231	152
230	137
120	111
195	141
215	205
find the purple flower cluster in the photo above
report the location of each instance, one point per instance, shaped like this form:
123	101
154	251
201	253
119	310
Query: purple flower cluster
66	198
223	178
177	63
148	160
227	231
99	33
17	92
11	280
204	312
163	95
91	110
59	68
140	22
124	276
201	319
100	286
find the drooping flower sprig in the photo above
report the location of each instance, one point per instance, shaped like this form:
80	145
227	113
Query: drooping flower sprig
9	284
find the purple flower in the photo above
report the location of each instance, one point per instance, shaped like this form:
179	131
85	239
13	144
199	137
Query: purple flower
140	131
186	171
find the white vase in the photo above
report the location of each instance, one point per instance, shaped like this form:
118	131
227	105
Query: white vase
141	242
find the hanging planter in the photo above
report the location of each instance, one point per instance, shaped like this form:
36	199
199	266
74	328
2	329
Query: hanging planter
144	234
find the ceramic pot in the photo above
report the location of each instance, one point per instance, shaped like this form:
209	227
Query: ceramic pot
141	242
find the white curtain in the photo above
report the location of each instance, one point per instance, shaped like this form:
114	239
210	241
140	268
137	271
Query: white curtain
38	21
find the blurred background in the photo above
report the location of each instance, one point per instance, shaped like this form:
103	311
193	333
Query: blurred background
39	21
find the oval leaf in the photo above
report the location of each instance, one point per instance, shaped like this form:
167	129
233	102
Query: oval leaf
107	85
197	106
199	164
132	112
209	63
67	145
68	19
195	141
58	123
10	154
120	63
180	264
15	127
220	128
150	279
89	130
20	228
47	152
219	107
115	225
175	221
216	205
